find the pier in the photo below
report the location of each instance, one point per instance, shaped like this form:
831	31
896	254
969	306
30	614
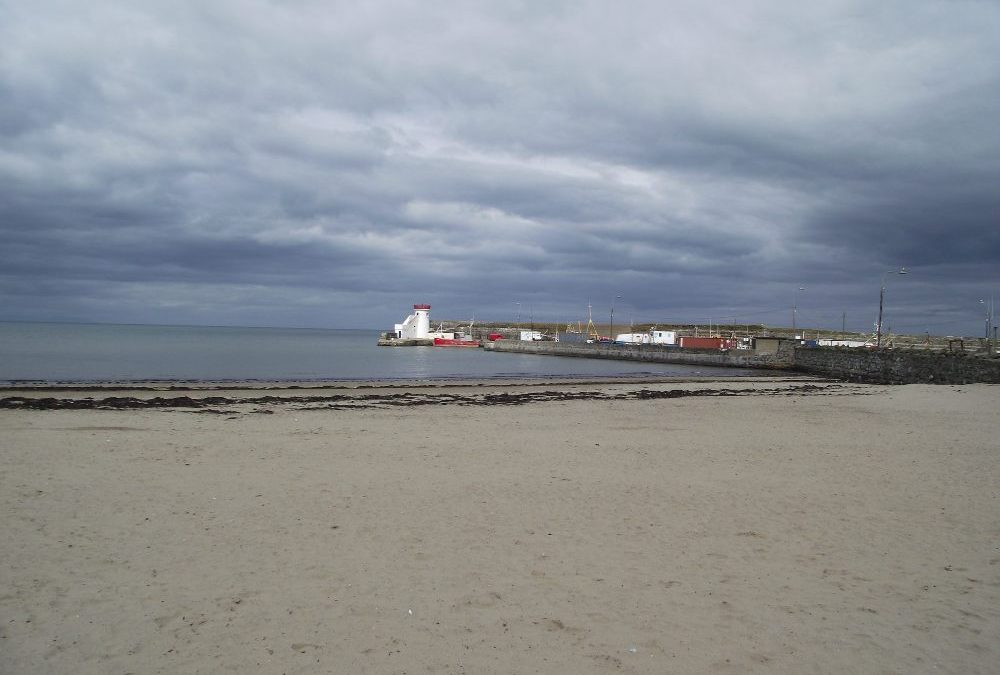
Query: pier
875	366
405	342
779	359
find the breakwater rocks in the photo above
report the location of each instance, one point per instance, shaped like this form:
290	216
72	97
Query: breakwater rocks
873	366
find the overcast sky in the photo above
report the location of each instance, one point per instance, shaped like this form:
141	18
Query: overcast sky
328	164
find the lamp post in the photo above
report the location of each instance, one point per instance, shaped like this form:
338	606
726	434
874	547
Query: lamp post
612	328
517	316
881	303
989	315
795	306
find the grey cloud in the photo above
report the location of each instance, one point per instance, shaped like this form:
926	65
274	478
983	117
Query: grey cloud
697	160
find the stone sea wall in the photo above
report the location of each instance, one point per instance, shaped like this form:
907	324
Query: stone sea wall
650	353
405	342
891	366
854	365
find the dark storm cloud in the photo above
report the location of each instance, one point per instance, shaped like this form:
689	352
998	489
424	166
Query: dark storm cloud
308	163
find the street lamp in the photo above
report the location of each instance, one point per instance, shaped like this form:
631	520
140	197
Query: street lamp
517	317
795	299
989	315
881	302
612	328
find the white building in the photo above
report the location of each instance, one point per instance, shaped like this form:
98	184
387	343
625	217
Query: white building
654	337
840	343
663	337
633	338
417	326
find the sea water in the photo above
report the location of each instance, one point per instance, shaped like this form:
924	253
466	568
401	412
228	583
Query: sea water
60	352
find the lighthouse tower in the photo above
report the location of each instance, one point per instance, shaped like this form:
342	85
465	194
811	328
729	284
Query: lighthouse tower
417	325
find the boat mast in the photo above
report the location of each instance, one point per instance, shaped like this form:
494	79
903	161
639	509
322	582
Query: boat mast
591	328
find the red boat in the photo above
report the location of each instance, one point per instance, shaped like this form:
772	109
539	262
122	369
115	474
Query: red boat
455	342
458	339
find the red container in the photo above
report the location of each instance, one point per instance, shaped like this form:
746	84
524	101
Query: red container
493	337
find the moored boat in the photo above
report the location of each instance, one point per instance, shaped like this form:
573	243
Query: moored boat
455	342
457	339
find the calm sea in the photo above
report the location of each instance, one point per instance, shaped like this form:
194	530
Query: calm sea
49	352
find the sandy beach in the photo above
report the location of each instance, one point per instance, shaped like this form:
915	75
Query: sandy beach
748	525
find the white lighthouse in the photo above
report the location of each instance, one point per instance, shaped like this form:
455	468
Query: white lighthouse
417	325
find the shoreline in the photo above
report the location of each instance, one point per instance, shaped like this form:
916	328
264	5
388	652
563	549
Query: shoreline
361	383
266	397
498	380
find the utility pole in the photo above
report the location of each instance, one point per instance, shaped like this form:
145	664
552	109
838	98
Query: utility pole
989	315
611	329
795	306
881	302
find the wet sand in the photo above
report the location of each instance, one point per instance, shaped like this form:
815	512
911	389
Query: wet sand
751	525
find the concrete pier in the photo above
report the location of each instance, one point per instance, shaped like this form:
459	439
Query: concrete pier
876	366
779	360
405	342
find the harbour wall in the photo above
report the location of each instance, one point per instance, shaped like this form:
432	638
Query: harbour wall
405	342
652	354
892	366
853	365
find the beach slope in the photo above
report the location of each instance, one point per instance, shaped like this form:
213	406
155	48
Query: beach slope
781	528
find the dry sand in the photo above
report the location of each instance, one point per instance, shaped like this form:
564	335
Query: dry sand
838	529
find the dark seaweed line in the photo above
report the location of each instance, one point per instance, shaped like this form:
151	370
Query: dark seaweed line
341	402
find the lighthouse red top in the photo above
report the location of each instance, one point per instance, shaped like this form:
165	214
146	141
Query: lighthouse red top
421	307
